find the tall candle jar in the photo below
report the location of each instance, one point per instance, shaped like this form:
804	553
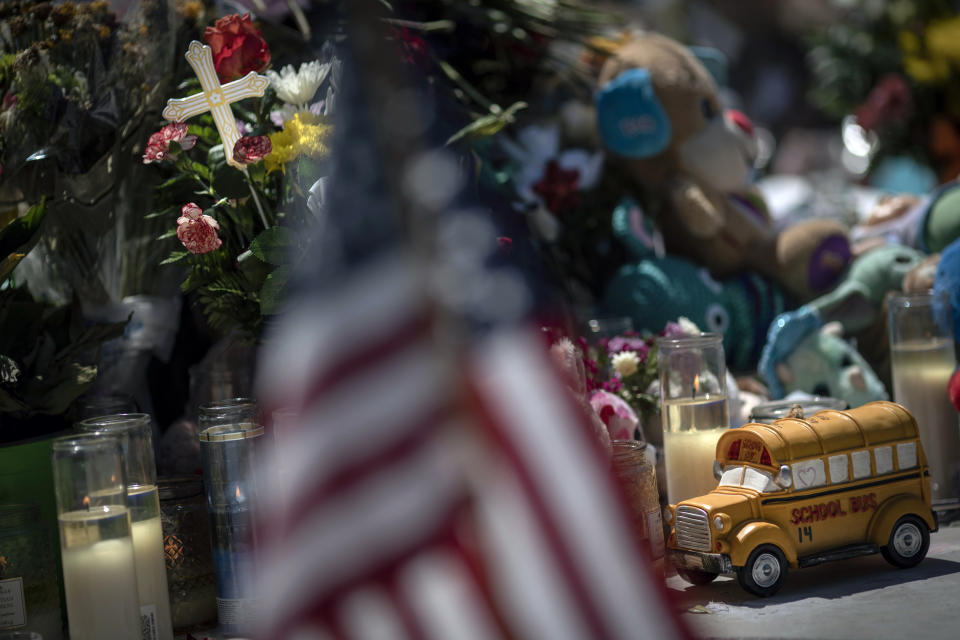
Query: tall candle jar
693	397
96	548
29	589
134	432
230	411
230	454
635	473
189	557
921	362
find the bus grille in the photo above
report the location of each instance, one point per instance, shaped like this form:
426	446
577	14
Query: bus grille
693	530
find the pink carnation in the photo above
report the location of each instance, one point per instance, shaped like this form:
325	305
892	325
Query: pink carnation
159	143
196	231
250	149
615	413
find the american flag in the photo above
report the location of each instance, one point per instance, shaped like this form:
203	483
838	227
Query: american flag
437	481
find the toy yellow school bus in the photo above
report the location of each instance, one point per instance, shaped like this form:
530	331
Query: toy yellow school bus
800	492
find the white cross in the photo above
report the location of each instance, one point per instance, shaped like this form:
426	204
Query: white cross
215	98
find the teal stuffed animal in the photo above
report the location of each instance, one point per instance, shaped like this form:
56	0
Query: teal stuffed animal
657	289
853	306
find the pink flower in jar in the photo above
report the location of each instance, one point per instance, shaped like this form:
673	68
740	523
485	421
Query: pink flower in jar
197	232
158	146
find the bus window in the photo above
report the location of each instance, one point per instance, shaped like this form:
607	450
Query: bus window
809	473
906	455
839	469
883	460
861	464
750	478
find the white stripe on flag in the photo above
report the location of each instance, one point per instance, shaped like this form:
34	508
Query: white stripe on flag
526	398
366	415
445	598
369	614
323	330
355	530
529	587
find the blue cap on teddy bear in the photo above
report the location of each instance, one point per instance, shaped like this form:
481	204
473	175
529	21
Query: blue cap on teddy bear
630	118
783	336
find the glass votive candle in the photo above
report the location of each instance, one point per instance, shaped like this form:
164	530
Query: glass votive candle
693	398
134	433
189	557
29	589
99	574
921	363
231	455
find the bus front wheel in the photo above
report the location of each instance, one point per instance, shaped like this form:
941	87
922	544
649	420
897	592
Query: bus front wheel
764	572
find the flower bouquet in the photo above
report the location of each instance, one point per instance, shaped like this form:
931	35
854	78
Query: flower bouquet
235	209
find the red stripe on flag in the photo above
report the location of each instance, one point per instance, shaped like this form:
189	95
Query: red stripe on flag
552	534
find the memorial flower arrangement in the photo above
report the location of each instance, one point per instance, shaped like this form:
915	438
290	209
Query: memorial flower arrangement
232	214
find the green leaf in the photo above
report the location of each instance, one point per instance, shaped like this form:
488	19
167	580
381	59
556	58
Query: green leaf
216	156
229	182
163	213
489	124
271	295
253	269
19	236
202	170
167	234
273	245
174	257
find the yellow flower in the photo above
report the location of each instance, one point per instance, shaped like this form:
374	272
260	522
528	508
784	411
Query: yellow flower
926	71
303	134
943	38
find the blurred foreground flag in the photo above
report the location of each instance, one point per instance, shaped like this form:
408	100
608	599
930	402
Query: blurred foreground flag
437	481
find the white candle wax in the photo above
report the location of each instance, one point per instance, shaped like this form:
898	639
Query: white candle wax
151	568
98	575
921	370
691	428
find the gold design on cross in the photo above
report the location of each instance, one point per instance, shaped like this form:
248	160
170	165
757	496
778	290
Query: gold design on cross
215	98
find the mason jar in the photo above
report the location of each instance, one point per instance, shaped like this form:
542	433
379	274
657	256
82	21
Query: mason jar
636	474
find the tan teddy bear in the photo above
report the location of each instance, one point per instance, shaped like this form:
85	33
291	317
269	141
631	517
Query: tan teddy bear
659	114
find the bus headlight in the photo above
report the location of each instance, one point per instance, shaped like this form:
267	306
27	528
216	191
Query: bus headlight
721	522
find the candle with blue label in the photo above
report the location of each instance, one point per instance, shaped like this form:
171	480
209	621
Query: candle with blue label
229	471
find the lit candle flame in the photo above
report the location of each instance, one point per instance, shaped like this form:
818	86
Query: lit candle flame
86	502
696	384
237	492
113	479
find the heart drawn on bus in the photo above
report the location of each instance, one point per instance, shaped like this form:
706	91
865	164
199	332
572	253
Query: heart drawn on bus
807	476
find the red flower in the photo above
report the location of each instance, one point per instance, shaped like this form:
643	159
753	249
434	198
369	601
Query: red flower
559	188
238	48
250	149
159	143
505	243
197	232
413	48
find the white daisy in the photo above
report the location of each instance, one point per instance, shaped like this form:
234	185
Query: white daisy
298	87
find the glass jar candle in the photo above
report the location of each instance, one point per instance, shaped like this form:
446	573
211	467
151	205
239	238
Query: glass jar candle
693	399
921	363
134	432
230	454
636	475
29	589
189	557
96	548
